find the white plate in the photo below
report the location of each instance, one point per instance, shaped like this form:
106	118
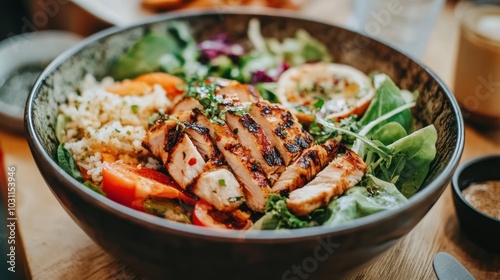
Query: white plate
116	12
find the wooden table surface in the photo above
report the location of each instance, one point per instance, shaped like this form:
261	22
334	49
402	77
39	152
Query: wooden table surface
58	249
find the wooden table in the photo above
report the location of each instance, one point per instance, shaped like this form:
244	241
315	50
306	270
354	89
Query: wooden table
58	249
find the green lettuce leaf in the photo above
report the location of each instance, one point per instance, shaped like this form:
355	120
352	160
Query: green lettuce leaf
362	201
278	216
410	161
172	50
387	98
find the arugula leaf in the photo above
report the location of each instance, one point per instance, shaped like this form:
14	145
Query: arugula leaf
67	163
411	159
278	216
387	98
322	133
375	146
360	201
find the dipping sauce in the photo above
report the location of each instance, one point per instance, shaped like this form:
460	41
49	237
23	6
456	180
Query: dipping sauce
485	197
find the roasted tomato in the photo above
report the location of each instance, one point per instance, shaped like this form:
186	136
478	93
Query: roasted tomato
143	84
131	186
205	215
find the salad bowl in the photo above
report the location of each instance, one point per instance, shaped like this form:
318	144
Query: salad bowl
163	249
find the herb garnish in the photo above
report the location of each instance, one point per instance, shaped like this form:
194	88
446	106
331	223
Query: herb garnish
214	106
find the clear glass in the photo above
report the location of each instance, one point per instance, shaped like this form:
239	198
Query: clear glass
406	24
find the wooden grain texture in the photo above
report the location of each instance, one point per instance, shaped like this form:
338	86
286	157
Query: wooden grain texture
58	249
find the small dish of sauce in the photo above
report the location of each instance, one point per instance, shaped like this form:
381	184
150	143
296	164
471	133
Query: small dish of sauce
484	197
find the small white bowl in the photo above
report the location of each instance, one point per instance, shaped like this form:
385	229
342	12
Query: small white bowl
36	48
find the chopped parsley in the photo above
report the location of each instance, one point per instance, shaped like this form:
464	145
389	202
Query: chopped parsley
222	182
135	109
214	106
319	103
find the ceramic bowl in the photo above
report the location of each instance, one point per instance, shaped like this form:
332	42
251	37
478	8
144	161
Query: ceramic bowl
163	249
482	229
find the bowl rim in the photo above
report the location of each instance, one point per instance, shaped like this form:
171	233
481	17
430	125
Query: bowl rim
436	187
457	192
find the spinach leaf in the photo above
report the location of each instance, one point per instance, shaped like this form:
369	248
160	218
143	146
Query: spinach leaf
387	98
67	163
360	201
411	158
278	216
389	133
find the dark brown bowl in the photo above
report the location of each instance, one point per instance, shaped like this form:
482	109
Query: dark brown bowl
479	227
163	249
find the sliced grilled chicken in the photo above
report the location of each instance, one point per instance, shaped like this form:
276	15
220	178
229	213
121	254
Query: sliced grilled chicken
341	174
185	103
219	187
167	139
200	135
233	89
244	93
244	166
305	168
251	135
282	129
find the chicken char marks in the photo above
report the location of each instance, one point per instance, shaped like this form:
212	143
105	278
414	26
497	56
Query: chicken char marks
282	128
244	166
206	176
342	173
305	168
168	141
259	152
251	135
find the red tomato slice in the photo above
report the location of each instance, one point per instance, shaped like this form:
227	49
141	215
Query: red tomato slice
130	185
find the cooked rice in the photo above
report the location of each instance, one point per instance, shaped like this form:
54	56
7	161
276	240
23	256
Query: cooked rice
104	124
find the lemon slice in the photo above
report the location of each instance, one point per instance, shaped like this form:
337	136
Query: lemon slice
328	90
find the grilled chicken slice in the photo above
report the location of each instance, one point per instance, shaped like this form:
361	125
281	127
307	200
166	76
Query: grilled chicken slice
251	135
244	93
185	103
235	90
244	166
305	168
341	174
219	187
200	136
282	129
167	139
